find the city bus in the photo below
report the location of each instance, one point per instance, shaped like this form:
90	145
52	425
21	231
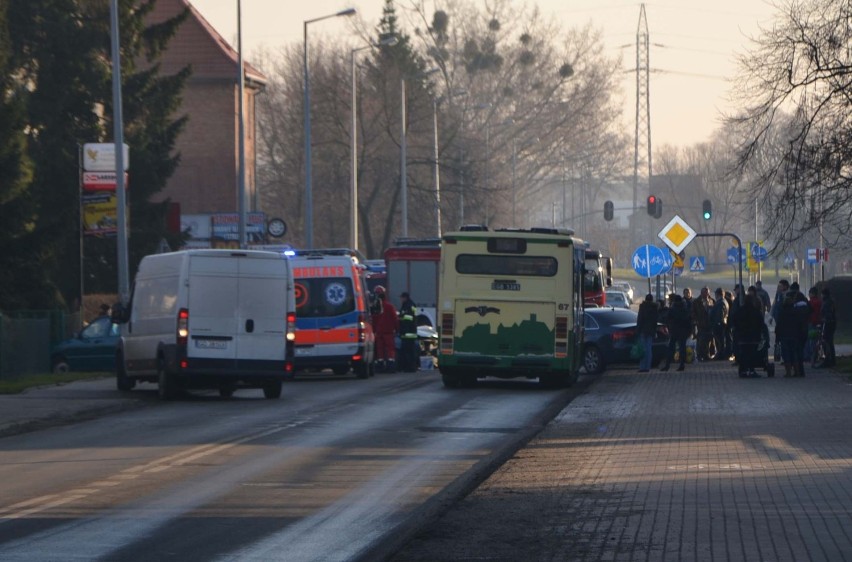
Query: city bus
597	278
511	305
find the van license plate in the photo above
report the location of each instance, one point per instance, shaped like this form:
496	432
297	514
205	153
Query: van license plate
211	344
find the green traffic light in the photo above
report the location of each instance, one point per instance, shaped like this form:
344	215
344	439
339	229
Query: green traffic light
706	215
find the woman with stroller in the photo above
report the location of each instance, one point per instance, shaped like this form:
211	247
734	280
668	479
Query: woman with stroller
749	327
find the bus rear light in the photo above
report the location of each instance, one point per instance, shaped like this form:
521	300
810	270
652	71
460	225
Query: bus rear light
561	328
357	357
184	363
447	346
447	321
182	327
288	367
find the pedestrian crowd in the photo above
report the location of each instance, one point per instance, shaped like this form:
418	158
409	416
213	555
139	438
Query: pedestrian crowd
732	326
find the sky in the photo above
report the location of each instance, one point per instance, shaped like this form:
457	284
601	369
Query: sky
693	50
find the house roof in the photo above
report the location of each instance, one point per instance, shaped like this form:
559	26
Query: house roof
198	44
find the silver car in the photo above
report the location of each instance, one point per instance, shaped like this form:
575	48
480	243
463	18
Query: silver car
617	299
625	288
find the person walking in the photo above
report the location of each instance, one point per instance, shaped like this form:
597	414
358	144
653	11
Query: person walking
780	292
765	303
814	323
719	323
408	334
802	312
386	326
828	312
701	318
749	327
646	328
680	328
728	349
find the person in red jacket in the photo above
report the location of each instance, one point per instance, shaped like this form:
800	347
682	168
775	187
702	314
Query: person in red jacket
385	326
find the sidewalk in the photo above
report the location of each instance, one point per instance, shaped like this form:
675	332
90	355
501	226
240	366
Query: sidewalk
693	465
42	407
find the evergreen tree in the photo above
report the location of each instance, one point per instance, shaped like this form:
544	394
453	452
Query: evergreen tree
17	266
61	51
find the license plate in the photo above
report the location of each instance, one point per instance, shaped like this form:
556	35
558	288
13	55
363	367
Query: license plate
302	351
211	344
505	286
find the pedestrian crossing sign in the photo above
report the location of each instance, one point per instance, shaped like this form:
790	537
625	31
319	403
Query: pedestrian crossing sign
697	264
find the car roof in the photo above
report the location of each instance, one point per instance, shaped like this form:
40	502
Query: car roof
612	315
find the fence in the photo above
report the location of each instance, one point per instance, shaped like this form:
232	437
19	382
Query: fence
27	336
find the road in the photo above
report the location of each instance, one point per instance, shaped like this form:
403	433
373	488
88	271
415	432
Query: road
337	469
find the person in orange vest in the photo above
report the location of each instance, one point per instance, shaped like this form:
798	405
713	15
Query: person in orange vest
385	326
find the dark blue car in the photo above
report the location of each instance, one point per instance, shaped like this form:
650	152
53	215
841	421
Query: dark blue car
93	349
609	335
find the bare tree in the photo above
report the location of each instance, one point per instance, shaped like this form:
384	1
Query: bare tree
796	121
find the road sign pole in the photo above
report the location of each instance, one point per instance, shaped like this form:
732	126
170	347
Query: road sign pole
739	253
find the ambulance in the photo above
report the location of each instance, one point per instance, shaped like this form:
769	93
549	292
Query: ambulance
333	329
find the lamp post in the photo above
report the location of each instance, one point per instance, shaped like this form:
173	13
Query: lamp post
241	182
403	172
309	205
437	164
353	182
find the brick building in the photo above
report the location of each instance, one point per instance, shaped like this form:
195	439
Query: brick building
206	180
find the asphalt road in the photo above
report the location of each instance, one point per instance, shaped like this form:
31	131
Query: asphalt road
337	469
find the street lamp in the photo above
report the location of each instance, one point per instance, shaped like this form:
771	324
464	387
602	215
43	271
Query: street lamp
353	182
435	102
403	172
309	205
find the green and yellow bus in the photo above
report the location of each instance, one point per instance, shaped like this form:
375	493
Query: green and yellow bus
510	303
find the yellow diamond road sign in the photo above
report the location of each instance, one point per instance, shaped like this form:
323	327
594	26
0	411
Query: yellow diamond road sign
677	234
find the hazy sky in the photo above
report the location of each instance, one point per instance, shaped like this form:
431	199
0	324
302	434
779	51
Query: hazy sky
693	46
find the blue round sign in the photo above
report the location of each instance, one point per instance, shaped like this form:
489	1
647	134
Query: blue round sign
649	261
734	255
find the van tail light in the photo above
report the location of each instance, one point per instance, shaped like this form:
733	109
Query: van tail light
291	327
183	327
447	322
362	336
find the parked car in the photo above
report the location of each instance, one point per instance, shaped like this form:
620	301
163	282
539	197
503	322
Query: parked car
625	288
617	299
610	333
93	349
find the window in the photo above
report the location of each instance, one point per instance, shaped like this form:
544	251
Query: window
533	266
324	296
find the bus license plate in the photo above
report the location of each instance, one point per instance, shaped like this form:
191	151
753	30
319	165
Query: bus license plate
211	344
505	286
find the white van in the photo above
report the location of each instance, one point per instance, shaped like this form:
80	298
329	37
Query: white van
208	319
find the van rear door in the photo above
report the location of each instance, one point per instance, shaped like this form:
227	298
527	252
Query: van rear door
262	312
213	307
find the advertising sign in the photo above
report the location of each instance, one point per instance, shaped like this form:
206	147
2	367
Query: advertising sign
101	181
225	229
100	213
100	157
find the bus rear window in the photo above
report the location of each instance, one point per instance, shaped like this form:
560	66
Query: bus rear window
532	266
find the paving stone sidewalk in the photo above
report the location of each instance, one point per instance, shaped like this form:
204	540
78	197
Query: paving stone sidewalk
694	465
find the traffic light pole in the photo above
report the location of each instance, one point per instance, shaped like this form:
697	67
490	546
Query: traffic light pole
739	255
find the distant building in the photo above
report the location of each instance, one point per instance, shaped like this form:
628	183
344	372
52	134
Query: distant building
206	181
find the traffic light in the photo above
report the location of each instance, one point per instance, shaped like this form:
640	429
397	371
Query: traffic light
608	210
652	205
659	210
707	209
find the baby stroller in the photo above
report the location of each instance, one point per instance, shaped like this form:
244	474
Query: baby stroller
753	355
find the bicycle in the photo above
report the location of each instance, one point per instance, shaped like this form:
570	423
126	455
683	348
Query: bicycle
819	347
